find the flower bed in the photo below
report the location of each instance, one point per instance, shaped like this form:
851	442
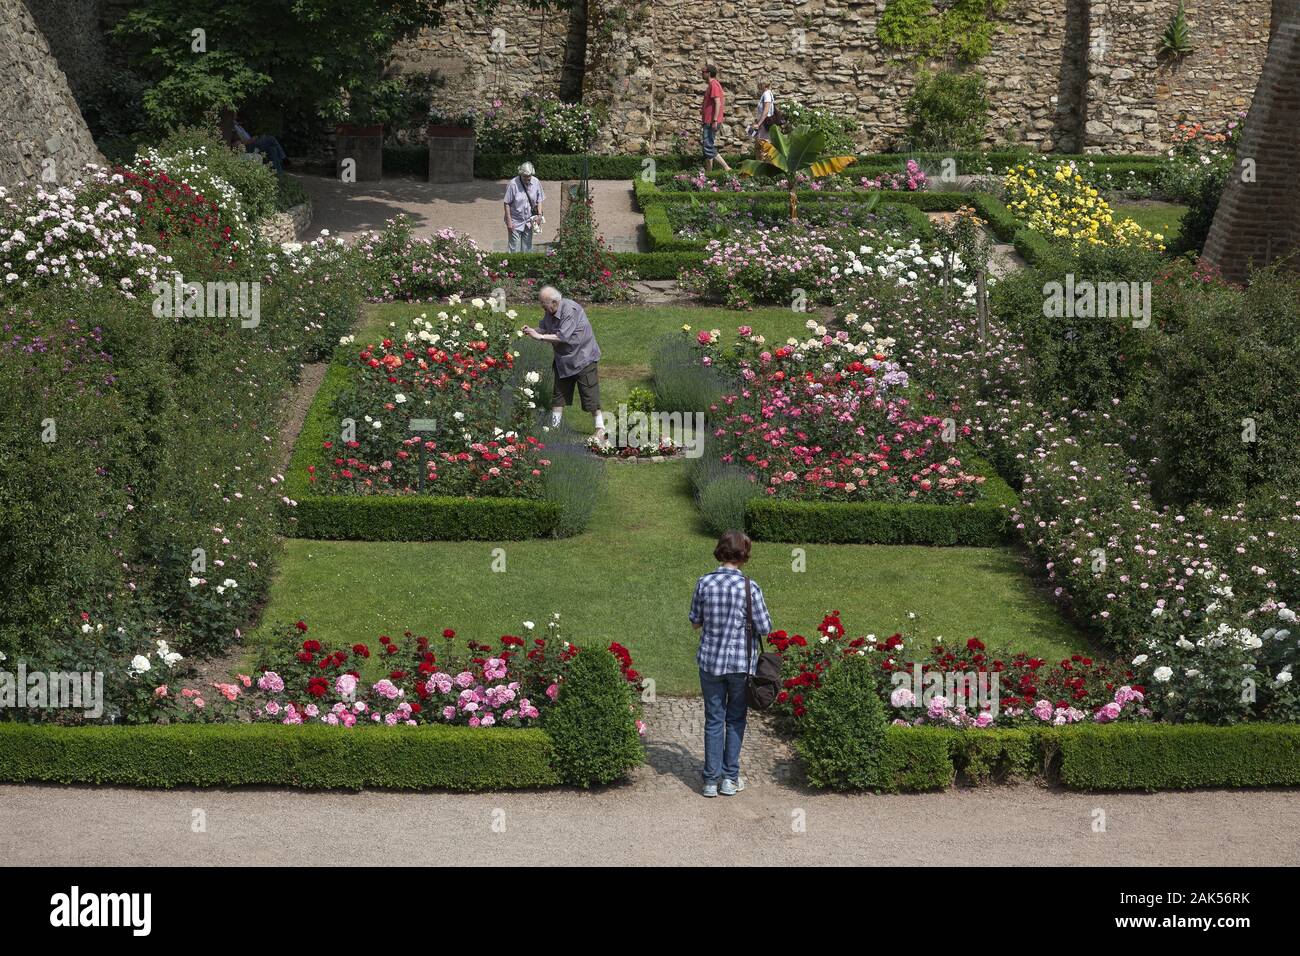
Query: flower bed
399	266
369	488
447	714
1201	591
1087	723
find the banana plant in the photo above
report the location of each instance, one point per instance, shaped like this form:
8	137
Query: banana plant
799	152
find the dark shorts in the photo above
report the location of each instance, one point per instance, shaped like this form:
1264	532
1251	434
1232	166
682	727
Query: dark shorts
710	145
588	389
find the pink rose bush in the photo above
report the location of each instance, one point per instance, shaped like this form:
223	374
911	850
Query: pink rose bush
828	419
443	680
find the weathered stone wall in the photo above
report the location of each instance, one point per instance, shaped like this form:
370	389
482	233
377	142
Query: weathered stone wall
1134	94
1060	71
72	29
39	119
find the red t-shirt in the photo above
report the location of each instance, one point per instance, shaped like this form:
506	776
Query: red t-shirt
706	111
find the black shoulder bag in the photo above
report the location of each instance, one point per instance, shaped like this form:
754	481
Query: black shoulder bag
765	681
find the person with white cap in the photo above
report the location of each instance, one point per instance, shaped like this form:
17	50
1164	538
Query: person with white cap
523	201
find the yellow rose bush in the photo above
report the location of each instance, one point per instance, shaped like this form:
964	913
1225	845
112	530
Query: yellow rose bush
1058	202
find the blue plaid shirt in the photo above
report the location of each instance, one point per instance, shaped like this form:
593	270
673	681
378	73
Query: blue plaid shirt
719	605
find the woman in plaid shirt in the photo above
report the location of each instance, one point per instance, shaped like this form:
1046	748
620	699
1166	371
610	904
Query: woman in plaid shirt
726	659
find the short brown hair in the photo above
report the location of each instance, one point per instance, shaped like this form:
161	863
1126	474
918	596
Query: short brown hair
733	547
710	69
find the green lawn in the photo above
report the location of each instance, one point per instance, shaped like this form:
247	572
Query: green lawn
629	577
1162	217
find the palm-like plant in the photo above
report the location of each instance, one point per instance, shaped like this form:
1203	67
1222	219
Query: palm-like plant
799	152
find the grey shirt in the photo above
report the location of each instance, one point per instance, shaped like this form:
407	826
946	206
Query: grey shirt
577	347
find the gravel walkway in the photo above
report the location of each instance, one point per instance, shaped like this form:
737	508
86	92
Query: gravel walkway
472	209
631	825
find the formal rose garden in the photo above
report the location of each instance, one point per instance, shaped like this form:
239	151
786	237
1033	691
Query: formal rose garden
897	391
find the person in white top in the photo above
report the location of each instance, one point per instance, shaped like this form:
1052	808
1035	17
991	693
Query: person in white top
763	116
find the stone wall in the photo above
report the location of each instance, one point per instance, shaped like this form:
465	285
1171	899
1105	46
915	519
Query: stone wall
39	119
1133	93
1062	73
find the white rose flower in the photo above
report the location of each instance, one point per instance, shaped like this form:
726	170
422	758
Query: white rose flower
1162	674
139	664
1139	660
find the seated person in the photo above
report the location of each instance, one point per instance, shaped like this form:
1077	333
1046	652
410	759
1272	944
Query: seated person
268	146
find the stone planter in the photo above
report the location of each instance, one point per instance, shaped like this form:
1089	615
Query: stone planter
451	154
364	145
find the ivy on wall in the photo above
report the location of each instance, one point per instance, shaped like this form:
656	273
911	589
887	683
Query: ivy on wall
962	31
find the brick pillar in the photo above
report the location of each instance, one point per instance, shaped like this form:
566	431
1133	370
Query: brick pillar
1259	222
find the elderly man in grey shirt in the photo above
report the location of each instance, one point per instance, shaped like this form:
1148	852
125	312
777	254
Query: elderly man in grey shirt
564	324
523	209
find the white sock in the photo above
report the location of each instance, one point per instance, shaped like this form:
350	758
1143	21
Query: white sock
555	417
600	420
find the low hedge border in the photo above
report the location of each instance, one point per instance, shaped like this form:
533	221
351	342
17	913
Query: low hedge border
982	523
503	165
226	755
1094	757
1031	245
391	517
641	265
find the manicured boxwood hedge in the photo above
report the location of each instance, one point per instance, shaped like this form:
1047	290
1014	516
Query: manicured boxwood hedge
503	166
642	265
224	755
1031	245
982	523
1094	756
1156	757
392	517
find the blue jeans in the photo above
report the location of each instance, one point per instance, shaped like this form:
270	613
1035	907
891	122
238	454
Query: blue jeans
709	138
520	240
725	705
270	146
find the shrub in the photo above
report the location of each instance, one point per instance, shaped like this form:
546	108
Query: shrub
1160	757
313	289
841	132
681	383
979	524
842	730
396	265
579	263
209	164
593	724
231	755
1091	358
721	493
946	111
572	483
1059	200
537	124
1224	410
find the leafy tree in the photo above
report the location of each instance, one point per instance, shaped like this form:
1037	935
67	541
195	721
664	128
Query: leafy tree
310	56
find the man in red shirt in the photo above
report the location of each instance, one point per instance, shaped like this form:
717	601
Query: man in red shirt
711	117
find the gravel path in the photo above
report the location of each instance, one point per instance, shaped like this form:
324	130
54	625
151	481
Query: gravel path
472	209
1019	826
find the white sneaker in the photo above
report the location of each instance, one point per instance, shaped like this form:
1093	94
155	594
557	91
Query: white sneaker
711	789
730	788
